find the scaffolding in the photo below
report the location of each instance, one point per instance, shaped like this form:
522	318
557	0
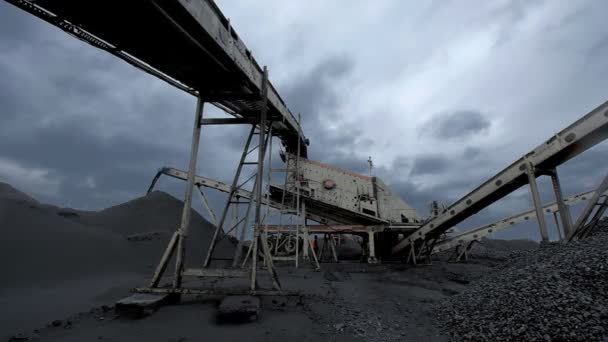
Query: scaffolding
258	246
293	241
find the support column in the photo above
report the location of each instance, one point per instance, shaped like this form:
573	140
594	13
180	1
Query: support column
578	228
306	241
258	237
540	216
564	210
557	227
372	247
185	222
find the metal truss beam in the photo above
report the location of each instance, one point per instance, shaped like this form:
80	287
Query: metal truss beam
478	233
583	134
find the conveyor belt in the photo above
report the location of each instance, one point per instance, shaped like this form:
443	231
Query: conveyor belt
573	140
225	188
188	43
478	233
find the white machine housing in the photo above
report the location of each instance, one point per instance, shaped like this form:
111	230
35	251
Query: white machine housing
345	197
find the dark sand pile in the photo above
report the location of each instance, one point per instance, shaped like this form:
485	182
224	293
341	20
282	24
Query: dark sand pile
499	249
57	261
556	293
8	192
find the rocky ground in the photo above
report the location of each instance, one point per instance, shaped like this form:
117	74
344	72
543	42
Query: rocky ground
556	293
343	302
64	269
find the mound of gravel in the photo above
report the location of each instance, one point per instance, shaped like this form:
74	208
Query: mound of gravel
8	192
497	249
492	250
558	292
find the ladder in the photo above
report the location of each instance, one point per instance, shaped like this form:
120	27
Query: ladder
291	208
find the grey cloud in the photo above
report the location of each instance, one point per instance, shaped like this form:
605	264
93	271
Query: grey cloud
312	94
457	124
401	163
429	165
471	152
72	152
600	48
515	12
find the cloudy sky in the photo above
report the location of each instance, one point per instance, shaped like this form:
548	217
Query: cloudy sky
441	94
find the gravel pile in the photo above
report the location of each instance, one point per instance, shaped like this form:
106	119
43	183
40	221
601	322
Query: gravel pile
558	292
495	250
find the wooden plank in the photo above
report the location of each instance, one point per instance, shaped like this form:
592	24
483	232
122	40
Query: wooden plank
214	291
141	304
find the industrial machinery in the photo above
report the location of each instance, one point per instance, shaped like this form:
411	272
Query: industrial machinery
345	197
191	45
337	201
361	205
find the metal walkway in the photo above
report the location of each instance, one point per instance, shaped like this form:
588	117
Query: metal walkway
570	142
189	44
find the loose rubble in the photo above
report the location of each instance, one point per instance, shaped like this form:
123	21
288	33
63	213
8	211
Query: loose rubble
558	292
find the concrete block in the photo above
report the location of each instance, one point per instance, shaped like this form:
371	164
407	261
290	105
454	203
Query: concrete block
239	308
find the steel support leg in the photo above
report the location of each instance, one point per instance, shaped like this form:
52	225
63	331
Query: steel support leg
332	245
185	222
557	227
461	253
564	210
412	253
178	238
164	261
540	216
305	244
372	248
258	237
305	233
587	211
314	256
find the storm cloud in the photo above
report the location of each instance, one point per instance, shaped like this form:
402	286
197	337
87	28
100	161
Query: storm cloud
458	124
429	165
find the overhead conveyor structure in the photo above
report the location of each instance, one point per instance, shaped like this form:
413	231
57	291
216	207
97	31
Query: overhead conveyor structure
189	44
192	46
563	146
207	182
